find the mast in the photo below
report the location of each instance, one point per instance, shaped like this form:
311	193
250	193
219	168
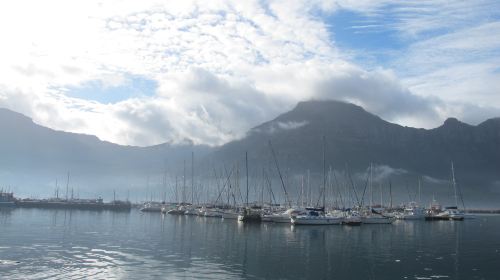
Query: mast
246	169
302	191
281	177
454	183
176	192
390	192
371	185
67	186
184	183
192	177
309	197
419	192
324	172
381	195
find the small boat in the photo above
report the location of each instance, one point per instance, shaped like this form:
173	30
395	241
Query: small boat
376	219
412	212
152	207
371	216
213	212
230	214
449	213
316	216
352	219
250	215
177	211
191	211
283	217
7	199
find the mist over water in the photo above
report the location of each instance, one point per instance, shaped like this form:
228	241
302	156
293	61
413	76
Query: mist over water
58	244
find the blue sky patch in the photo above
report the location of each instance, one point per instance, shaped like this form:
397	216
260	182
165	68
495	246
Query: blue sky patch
133	86
368	35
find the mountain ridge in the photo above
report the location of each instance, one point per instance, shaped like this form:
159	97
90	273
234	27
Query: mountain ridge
355	138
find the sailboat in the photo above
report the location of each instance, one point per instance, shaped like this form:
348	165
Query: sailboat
412	211
191	209
250	214
281	216
7	199
370	215
450	212
317	215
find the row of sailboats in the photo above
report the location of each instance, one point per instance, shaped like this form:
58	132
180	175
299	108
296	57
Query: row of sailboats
361	213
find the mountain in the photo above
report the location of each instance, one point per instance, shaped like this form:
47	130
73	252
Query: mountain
356	138
33	156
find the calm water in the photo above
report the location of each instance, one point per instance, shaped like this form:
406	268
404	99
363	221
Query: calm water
58	244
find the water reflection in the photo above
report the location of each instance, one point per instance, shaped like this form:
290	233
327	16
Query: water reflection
57	244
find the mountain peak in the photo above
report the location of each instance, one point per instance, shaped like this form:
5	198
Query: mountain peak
453	122
326	105
328	112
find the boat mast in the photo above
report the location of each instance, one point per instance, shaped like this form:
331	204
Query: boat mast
419	192
309	196
67	186
246	168
176	192
192	177
184	183
454	183
390	193
302	191
324	173
371	185
281	177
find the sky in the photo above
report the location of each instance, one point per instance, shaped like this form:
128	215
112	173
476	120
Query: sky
147	72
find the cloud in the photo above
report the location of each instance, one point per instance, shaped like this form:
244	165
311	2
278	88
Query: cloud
277	126
382	172
379	92
223	67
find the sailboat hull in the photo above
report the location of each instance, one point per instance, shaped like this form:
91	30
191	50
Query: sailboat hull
316	220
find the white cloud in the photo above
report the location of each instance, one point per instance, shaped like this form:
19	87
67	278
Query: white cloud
223	67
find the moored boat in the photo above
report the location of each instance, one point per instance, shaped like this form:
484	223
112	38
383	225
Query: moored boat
316	216
7	199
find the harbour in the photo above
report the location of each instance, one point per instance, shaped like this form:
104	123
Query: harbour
72	244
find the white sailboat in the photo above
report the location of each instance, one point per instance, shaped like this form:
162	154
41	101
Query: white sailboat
450	212
318	216
283	217
412	212
370	216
